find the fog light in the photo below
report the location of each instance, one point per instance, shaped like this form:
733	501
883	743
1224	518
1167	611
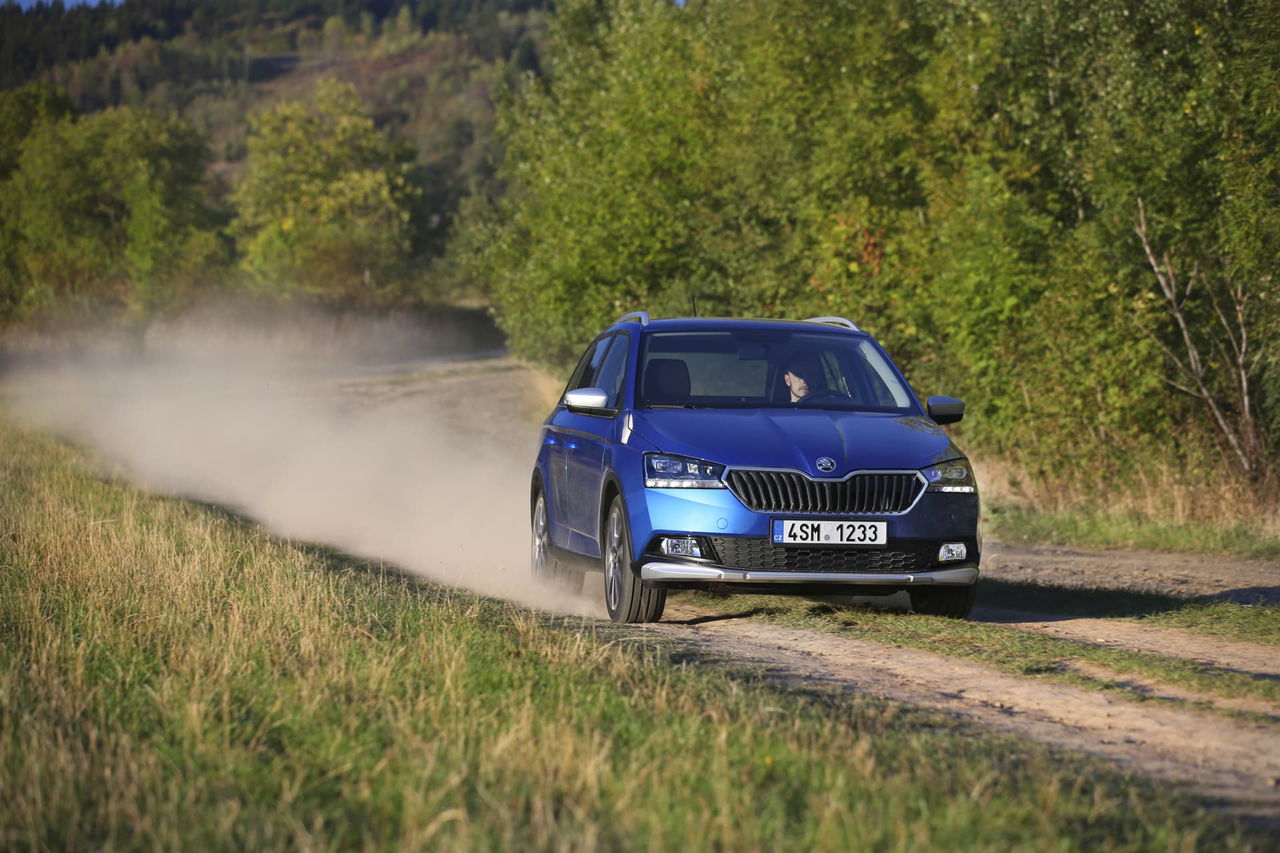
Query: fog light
684	546
952	551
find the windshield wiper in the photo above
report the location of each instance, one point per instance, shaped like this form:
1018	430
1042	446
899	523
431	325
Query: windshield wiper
673	406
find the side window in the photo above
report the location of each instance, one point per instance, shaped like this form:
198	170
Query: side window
589	367
614	369
603	365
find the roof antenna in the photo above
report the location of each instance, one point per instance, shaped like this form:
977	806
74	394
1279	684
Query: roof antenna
693	297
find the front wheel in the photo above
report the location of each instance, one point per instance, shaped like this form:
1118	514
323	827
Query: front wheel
626	597
953	602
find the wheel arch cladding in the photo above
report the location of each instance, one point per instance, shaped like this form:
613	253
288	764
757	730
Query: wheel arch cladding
535	486
613	489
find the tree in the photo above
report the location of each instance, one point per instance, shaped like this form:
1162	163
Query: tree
1181	165
964	180
324	203
22	110
108	207
700	152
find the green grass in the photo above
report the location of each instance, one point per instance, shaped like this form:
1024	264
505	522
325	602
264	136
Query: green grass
1252	622
1126	530
1256	623
1007	649
170	676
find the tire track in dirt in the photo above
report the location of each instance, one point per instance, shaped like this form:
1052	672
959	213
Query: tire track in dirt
1154	688
1234	763
1239	579
1257	659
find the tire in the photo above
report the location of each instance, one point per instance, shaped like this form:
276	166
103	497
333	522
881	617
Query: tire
626	597
542	563
953	602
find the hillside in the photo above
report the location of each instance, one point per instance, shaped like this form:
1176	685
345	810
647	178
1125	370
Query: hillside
426	74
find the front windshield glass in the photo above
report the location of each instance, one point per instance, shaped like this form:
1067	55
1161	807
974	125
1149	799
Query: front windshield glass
769	369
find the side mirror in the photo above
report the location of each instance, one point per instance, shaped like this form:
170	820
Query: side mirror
586	398
945	410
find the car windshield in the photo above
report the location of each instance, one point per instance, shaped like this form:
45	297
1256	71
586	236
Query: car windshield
769	368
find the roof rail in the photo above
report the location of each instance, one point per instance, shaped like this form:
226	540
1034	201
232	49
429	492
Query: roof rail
835	321
641	316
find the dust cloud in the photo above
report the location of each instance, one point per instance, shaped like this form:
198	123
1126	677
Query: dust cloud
362	438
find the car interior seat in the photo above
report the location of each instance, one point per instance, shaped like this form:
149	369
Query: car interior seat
666	381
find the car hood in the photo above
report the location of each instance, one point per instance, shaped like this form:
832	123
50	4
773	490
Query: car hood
797	438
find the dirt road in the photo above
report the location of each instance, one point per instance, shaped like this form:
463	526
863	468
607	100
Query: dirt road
1233	762
1258	659
1184	575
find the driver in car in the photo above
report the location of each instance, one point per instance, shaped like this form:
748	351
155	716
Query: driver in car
803	375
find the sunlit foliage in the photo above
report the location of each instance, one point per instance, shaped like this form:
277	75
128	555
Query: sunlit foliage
323	205
966	180
107	207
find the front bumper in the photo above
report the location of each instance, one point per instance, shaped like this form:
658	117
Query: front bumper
717	512
742	552
659	571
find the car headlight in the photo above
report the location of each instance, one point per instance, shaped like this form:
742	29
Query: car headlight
953	476
667	471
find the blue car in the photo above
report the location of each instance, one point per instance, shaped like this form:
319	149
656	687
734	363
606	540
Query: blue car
755	456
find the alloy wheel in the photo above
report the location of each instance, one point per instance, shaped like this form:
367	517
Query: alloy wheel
613	561
538	547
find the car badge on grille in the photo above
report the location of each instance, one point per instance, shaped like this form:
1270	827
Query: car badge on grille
826	464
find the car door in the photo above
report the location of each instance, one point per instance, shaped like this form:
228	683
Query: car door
561	440
588	440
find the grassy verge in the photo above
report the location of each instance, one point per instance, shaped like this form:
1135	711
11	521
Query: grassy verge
1008	649
1252	622
172	677
1126	530
1255	623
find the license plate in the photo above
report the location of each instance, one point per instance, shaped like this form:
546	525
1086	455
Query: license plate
787	531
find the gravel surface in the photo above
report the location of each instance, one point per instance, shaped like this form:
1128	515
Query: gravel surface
1234	764
1183	575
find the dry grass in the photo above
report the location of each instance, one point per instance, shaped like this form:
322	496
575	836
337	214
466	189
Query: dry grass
172	677
1160	506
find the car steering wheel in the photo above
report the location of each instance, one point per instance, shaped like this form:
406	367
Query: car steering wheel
820	394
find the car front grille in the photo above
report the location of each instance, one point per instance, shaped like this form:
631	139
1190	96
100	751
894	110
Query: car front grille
861	494
761	555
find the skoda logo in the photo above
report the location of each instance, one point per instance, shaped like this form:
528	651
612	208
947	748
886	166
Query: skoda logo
826	464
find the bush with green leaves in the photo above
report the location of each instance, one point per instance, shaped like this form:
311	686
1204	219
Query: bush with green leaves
107	208
323	206
1001	191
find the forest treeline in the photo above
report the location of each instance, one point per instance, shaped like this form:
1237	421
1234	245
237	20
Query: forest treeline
1064	211
48	35
280	148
